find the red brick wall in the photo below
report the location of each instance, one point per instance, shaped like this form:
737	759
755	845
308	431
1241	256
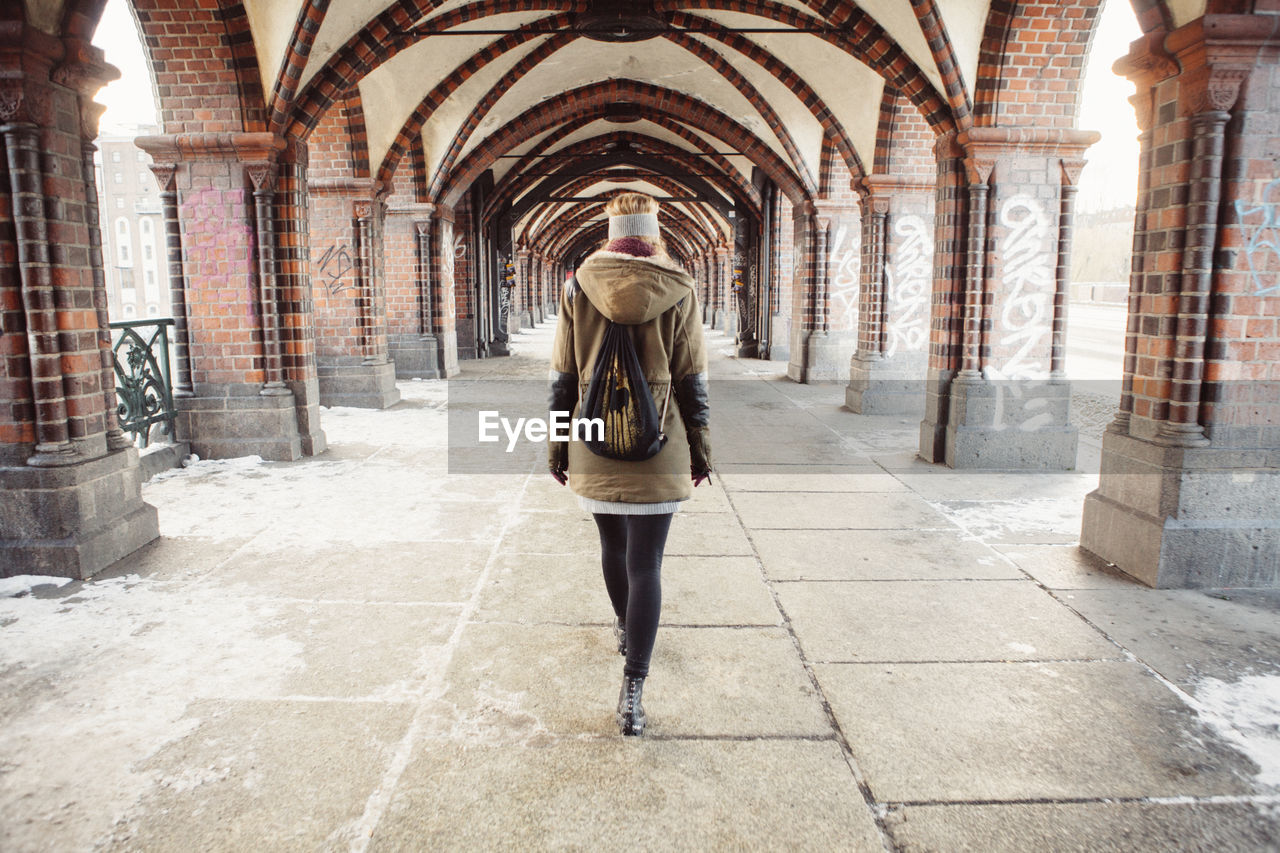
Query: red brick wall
1033	56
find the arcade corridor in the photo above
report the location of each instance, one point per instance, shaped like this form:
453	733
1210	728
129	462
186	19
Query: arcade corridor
860	651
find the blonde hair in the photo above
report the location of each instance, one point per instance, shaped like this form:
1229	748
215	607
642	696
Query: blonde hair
631	203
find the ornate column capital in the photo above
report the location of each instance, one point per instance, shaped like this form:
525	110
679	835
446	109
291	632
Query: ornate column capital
262	174
165	173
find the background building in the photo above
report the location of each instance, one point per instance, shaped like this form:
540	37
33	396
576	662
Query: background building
132	228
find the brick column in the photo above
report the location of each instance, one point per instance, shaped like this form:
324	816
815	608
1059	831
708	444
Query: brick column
347	218
1005	408
70	483
411	337
824	315
887	373
444	312
525	287
1189	494
240	403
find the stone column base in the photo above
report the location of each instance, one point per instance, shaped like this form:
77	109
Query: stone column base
887	386
73	521
1179	517
1010	424
416	356
354	383
821	356
223	422
526	319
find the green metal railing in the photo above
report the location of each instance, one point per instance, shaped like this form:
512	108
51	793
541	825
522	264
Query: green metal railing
144	383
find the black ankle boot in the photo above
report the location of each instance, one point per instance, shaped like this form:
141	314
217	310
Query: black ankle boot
620	632
631	718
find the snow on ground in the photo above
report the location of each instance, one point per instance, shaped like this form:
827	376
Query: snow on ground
103	676
995	521
23	584
1246	713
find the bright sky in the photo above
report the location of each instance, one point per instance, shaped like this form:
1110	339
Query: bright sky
1110	179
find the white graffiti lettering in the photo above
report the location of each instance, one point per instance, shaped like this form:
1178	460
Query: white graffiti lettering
846	266
907	286
1025	315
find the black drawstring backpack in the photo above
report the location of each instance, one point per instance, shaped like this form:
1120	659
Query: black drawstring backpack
619	396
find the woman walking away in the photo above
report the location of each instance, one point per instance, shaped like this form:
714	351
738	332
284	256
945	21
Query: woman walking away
633	283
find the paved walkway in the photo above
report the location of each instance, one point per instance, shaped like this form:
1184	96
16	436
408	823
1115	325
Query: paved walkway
860	651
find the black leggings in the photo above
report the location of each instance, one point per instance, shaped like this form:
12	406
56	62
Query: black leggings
631	553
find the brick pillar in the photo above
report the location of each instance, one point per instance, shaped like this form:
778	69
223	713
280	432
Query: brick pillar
888	371
1189	494
720	267
1006	409
411	337
225	186
525	287
296	308
824	314
70	483
347	219
444	312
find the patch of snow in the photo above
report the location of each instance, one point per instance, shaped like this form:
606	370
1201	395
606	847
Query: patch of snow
100	680
23	584
998	520
1247	714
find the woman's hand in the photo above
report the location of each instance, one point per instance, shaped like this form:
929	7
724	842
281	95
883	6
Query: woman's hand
699	477
560	476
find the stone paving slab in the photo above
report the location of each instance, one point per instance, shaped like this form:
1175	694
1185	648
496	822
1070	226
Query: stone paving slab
946	484
877	555
654	795
877	481
536	681
1066	567
937	621
570	590
1185	635
379	660
1025	731
262	776
1114	827
706	534
826	510
439	572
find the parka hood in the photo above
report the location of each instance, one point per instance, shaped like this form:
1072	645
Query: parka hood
631	290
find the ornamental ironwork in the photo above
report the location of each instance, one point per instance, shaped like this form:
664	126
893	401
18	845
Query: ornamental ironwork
144	385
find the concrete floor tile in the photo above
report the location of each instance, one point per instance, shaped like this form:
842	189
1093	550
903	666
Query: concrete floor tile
413	571
1047	521
1022	731
528	683
1114	827
570	590
551	533
1066	567
876	481
936	621
828	510
819	448
262	776
716	591
1188	635
641	794
707	534
877	555
358	650
953	485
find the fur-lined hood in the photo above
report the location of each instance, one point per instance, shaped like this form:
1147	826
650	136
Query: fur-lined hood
632	290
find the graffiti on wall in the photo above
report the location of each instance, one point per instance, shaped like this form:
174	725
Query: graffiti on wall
1026	315
845	271
1260	227
334	267
907	287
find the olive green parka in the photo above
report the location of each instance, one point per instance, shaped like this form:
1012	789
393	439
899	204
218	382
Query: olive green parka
658	301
